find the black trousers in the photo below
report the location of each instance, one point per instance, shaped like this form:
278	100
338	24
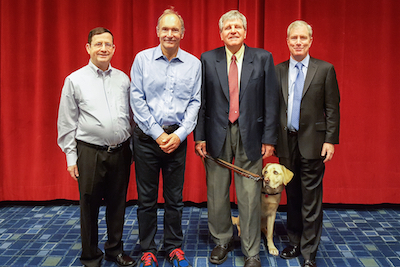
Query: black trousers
304	200
102	175
149	160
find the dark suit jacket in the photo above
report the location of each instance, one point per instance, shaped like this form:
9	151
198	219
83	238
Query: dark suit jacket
258	101
319	109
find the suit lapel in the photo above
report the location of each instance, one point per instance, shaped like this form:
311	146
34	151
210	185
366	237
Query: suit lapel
247	69
312	69
285	82
221	69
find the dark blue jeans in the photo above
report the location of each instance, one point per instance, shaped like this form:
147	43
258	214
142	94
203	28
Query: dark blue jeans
149	160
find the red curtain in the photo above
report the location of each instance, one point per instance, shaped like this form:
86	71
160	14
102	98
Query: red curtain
43	41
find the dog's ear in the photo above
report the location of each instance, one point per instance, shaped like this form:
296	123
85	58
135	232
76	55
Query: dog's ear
264	170
287	175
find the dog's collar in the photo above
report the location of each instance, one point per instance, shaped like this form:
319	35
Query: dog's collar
266	194
275	191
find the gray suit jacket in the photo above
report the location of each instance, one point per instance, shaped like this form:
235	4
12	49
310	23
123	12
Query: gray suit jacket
319	109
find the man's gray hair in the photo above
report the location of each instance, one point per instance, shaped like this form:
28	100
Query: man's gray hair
232	15
299	23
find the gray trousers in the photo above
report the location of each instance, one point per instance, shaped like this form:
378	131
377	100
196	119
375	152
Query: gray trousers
248	196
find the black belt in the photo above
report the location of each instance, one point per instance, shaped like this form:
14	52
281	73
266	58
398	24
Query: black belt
292	133
169	129
109	149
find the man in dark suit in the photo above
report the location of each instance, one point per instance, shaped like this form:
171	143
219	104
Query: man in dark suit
309	128
237	119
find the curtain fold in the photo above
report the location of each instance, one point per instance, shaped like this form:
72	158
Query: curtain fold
43	41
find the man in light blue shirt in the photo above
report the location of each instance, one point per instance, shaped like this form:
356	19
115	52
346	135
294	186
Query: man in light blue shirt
309	120
165	100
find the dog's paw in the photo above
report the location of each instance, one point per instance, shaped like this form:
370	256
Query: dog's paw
273	251
235	221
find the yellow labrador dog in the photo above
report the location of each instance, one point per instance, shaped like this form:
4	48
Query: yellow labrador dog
276	176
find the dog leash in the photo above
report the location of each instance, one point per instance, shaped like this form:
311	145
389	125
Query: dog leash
236	169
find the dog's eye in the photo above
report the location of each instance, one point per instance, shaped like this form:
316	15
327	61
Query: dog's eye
276	173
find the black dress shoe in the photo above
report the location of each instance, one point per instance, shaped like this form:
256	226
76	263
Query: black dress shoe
220	253
290	252
121	260
97	265
310	263
253	261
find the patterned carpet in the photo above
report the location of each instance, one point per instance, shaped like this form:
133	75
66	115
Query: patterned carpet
50	236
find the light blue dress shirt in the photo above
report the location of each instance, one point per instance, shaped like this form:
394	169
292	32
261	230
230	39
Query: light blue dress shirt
293	71
94	108
165	92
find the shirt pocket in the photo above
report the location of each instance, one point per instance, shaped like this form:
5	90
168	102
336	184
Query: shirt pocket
183	88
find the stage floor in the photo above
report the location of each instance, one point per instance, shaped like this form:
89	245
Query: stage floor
50	236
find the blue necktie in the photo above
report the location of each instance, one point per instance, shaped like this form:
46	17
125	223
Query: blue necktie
298	92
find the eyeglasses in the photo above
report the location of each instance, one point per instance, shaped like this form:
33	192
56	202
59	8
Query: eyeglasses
99	45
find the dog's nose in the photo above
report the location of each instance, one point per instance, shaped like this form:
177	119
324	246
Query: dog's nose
266	180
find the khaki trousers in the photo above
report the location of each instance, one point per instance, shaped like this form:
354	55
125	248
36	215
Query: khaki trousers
248	194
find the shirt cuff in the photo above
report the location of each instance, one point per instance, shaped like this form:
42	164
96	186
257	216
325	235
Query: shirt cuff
155	131
71	159
181	133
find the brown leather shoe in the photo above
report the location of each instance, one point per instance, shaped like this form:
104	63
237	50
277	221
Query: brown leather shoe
290	252
121	260
253	261
220	253
309	263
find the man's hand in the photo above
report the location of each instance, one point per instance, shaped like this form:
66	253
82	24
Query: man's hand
200	149
327	151
73	171
168	142
267	150
162	139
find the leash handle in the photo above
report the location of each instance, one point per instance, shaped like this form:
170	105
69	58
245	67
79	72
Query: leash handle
236	169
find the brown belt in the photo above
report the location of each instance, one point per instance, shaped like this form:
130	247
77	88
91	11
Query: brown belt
236	169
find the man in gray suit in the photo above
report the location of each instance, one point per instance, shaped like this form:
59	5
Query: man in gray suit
238	119
309	129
